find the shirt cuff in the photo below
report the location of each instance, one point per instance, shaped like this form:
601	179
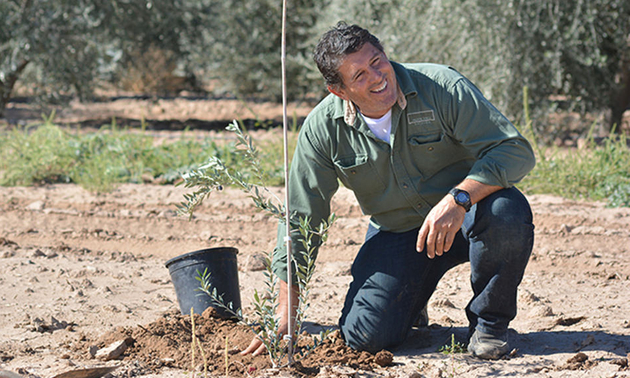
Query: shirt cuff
489	172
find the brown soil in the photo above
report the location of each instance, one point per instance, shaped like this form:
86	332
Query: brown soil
167	342
80	271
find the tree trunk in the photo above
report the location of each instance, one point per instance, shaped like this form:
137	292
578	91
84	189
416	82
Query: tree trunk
621	102
6	86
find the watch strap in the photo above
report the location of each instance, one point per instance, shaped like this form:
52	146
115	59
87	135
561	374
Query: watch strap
456	193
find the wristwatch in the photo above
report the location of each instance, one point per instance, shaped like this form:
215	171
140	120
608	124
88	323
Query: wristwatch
462	198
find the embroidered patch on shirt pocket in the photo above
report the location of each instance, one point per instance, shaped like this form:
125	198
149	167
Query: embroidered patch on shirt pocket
421	117
359	174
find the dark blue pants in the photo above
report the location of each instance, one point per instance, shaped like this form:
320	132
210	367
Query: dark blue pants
392	282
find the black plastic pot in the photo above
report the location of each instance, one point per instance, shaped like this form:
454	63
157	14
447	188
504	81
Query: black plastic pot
221	264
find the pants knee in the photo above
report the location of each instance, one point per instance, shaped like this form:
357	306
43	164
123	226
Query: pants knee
362	337
504	209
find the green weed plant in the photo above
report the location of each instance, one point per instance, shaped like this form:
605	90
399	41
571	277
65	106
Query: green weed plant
596	171
450	350
213	176
98	161
455	347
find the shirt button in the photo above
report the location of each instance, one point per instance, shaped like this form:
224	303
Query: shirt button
430	148
405	186
420	205
353	172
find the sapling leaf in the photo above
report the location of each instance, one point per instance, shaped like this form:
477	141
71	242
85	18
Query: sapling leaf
213	175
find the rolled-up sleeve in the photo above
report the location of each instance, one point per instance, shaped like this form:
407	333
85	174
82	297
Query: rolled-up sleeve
503	156
312	183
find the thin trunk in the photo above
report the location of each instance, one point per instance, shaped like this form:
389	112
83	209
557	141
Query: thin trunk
6	86
621	101
287	212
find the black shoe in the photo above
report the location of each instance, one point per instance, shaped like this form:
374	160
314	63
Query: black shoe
488	347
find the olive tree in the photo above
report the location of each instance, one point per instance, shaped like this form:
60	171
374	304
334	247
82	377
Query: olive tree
66	46
245	47
52	37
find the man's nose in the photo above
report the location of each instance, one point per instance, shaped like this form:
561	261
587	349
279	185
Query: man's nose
375	75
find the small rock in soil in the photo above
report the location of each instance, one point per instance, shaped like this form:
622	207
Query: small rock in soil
578	362
112	351
578	357
336	371
384	358
41	326
444	302
36	206
622	362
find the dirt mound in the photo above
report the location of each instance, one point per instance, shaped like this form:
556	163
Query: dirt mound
167	343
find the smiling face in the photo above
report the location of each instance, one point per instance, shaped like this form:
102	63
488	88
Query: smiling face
369	81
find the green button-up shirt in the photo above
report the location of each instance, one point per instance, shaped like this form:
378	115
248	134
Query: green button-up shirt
443	131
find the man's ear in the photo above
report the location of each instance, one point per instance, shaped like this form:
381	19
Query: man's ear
338	91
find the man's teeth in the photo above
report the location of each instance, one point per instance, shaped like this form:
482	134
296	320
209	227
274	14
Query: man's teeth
382	87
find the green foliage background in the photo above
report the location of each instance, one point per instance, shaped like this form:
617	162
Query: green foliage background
572	50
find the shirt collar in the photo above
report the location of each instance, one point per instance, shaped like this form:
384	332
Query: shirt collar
350	110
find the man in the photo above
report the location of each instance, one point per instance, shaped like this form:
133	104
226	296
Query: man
433	163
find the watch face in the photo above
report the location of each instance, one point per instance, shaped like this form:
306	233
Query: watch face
462	197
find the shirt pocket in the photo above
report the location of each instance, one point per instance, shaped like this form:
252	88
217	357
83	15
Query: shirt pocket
433	151
359	174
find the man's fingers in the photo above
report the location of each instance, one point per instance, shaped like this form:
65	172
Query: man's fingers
448	243
261	349
422	237
431	239
254	347
439	243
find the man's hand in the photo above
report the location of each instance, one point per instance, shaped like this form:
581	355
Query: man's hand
446	218
256	346
440	227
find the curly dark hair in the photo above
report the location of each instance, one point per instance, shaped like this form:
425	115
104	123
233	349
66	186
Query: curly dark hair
335	45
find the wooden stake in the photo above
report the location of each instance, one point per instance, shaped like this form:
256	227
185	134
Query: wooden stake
286	179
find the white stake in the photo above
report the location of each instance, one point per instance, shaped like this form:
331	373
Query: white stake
286	180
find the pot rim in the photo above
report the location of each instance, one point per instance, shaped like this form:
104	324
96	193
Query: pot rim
199	252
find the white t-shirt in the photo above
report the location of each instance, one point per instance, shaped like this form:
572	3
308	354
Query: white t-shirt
381	127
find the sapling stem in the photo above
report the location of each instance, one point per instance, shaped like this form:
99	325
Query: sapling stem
192	344
227	365
203	357
287	211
